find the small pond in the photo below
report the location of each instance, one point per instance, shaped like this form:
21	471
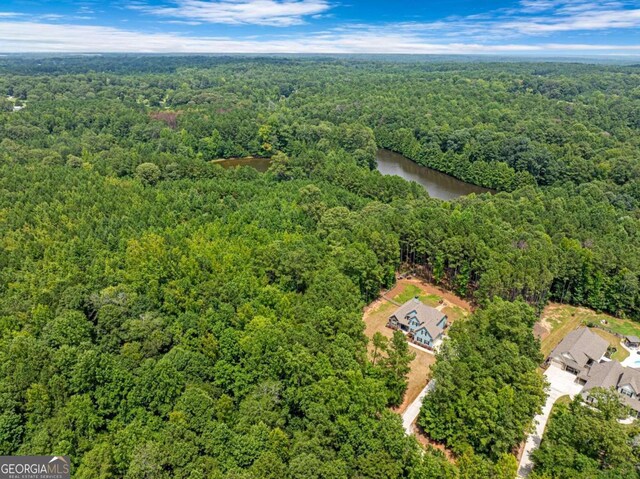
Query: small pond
260	164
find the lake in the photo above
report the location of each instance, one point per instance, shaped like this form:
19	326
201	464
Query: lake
438	185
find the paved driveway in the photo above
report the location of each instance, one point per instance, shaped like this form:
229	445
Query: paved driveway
411	414
561	383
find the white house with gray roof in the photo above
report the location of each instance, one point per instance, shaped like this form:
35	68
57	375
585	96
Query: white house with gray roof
423	324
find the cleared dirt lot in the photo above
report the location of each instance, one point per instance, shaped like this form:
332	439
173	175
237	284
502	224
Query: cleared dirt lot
377	313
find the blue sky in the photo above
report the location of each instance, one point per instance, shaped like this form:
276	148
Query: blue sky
516	27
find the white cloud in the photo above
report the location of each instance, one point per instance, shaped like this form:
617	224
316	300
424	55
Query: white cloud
537	5
533	18
279	13
50	16
581	21
568	6
182	22
499	31
44	37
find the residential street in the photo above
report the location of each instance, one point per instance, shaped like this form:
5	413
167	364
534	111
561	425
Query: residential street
561	383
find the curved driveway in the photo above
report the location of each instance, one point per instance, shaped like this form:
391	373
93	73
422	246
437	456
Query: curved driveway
561	383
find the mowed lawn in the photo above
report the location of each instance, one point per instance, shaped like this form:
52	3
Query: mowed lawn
378	312
558	320
411	290
621	353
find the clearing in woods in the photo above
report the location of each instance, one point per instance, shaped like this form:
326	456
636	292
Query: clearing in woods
557	320
377	313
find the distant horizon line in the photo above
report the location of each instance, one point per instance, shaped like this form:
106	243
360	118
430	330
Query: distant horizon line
195	53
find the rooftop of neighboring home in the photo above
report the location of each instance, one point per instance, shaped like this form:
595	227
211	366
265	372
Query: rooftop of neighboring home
426	316
611	374
580	348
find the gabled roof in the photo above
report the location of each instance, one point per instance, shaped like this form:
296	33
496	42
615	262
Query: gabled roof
632	377
427	316
424	313
632	339
604	375
582	345
432	328
612	374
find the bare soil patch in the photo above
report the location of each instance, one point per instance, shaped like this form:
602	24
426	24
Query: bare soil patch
169	118
417	378
427	442
377	313
557	320
450	297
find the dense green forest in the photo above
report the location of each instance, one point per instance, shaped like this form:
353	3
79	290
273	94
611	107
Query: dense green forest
487	387
161	316
583	442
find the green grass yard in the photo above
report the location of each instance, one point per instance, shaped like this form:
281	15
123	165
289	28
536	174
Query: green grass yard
454	313
621	354
560	319
411	291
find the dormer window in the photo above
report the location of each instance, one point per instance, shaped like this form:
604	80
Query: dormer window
626	392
